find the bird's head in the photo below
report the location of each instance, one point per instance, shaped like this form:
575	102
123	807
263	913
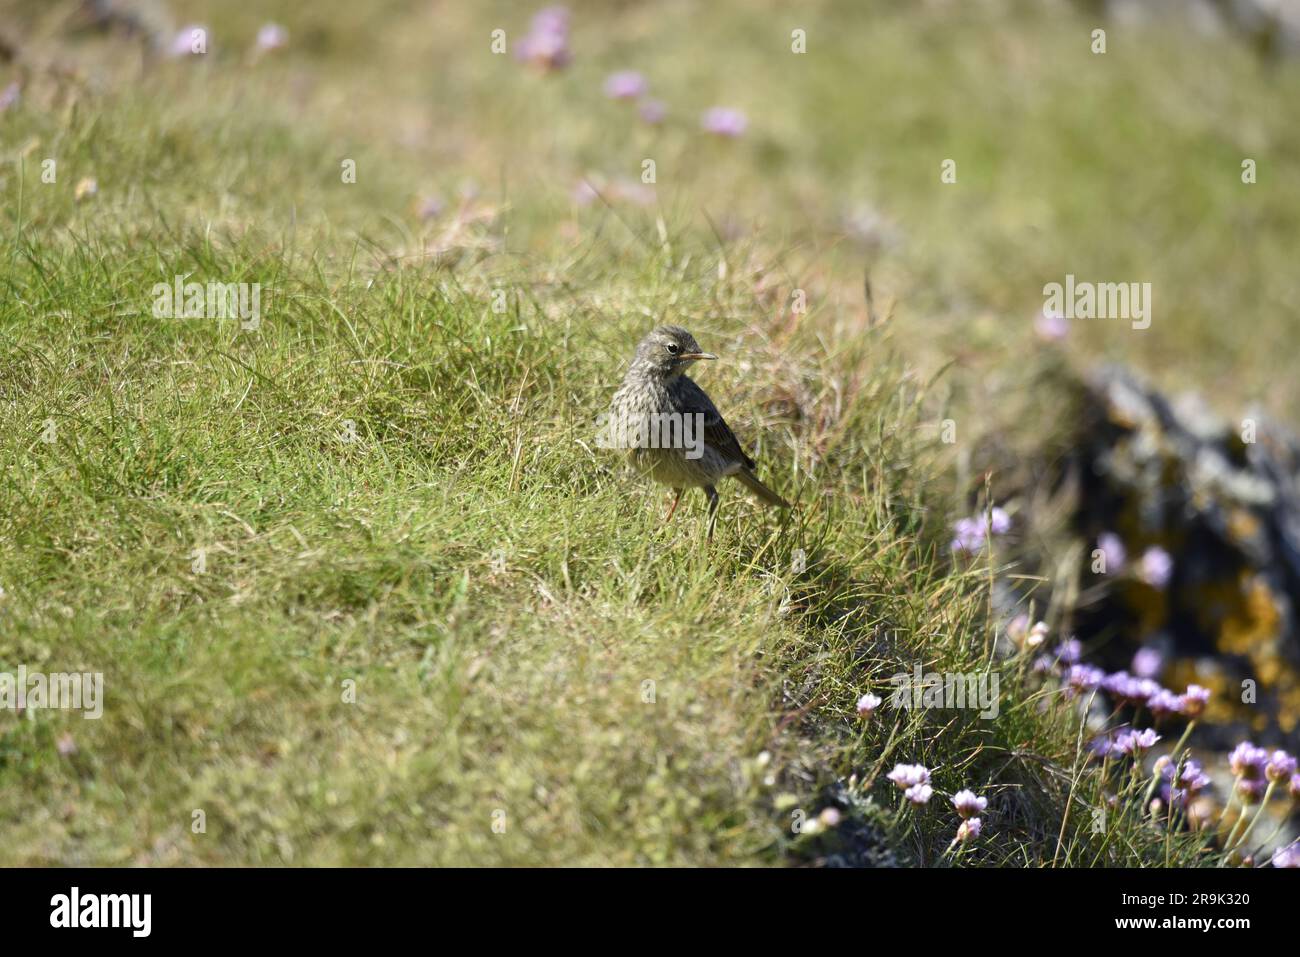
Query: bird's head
668	350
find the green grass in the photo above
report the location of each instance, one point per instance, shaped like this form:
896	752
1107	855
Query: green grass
496	591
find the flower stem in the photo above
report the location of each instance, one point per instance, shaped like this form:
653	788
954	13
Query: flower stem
1268	793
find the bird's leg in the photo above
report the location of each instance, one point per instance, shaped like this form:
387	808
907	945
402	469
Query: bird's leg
674	505
712	494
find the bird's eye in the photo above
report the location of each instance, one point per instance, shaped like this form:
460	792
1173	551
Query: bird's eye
673	348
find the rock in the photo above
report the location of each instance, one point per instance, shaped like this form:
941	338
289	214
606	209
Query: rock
1272	27
1223	503
857	839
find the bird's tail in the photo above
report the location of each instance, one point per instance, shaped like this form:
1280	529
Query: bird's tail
750	481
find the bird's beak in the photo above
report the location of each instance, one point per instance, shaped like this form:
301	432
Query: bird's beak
697	355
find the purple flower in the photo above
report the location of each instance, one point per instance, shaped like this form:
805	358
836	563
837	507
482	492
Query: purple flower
1148	662
653	111
968	804
919	794
551	20
1288	856
546	45
272	36
968	536
999	521
968	829
10	96
1081	678
1165	703
1195	783
867	705
625	85
1051	326
1248	761
724	121
1189	779
1293	787
1134	742
1157	567
1280	767
1066	653
909	775
547	51
190	41
1145	739
1195	699
1070	651
1112	552
431	207
1117	683
969	533
1126	688
1143	689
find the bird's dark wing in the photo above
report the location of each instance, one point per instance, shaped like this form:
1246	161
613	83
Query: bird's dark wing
717	434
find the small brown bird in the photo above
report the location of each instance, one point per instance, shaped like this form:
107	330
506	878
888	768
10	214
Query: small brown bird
673	430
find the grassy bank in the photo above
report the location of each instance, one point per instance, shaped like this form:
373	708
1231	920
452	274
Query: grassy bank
361	586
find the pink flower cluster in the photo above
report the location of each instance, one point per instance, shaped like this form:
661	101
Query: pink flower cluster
631	85
546	45
970	534
914	781
1257	769
969	808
